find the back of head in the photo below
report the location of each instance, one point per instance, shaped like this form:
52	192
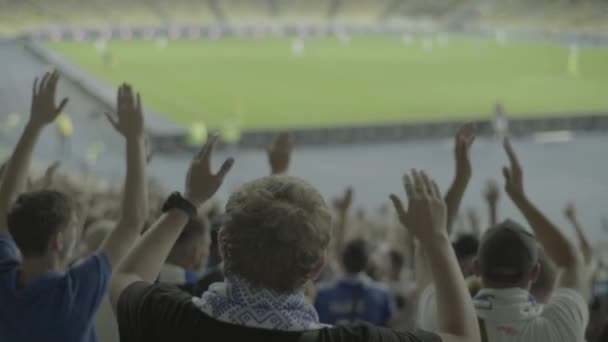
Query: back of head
466	246
507	255
397	260
36	217
276	230
355	256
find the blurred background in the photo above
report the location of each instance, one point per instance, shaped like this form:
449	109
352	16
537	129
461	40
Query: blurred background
369	88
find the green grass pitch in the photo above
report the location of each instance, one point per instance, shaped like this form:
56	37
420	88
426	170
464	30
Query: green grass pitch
260	84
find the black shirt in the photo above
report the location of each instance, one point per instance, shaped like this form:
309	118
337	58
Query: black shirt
162	312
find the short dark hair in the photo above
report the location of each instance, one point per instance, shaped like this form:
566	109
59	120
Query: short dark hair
355	256
397	259
36	217
466	246
507	254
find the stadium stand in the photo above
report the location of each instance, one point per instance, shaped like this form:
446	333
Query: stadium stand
584	16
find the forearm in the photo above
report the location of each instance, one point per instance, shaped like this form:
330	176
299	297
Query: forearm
422	269
135	196
586	248
453	197
456	315
17	168
559	248
493	214
150	252
340	232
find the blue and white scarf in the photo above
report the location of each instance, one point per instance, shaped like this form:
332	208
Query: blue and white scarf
235	301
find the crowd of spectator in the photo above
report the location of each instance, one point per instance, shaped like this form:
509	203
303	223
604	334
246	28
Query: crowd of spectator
277	263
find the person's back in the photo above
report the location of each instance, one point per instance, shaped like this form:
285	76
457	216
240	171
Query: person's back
182	320
41	297
52	305
354	296
274	242
509	313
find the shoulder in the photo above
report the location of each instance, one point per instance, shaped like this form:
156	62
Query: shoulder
567	301
145	294
327	286
379	287
368	332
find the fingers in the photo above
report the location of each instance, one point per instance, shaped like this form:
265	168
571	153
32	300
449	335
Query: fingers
511	154
507	173
428	184
62	105
52	83
112	121
128	96
207	150
138	103
119	96
398	205
409	186
35	88
226	167
436	191
43	82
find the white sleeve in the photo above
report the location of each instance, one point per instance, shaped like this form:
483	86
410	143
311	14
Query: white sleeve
427	310
568	313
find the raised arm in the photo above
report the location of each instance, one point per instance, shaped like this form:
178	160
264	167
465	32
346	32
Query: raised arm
464	140
43	111
144	261
426	218
279	153
559	248
130	124
341	207
586	248
492	195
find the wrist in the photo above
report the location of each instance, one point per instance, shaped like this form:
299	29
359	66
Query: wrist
519	199
435	240
135	138
463	175
178	202
197	202
34	126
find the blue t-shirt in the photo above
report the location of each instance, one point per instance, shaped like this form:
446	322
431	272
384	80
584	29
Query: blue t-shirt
335	302
55	306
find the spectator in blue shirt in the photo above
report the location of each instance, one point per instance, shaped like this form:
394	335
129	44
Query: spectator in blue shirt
354	296
41	298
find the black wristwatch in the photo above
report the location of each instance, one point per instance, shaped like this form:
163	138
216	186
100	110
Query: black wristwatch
176	201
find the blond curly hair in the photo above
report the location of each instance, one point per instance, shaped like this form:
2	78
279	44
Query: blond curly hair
277	228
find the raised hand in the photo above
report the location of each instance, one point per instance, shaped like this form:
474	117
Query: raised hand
43	110
342	204
492	192
464	140
570	212
279	153
129	113
201	183
514	182
49	175
426	215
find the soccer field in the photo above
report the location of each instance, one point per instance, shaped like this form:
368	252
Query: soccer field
262	83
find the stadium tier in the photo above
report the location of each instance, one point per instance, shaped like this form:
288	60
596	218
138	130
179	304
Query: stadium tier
24	15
